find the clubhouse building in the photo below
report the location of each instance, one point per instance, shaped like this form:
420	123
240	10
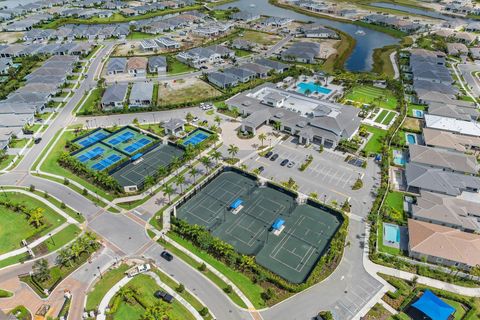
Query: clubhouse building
311	120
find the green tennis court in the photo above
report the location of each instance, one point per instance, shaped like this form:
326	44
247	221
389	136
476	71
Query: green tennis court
134	173
99	156
291	252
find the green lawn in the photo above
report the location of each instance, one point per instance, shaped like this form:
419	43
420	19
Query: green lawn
251	290
88	104
412	106
137	35
6	160
242	53
382	98
103	285
374	145
261	38
13	260
386	121
21	312
62	238
174	66
153	128
394	206
146	287
14	226
18	143
5	293
381	116
51	165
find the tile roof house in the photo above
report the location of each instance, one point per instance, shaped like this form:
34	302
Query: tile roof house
453	212
157	64
469	128
445	109
116	65
137	66
450	141
304	52
421	177
444	159
174	126
114	97
241	74
443	245
141	94
278	67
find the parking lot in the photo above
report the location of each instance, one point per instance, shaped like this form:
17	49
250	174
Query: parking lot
329	176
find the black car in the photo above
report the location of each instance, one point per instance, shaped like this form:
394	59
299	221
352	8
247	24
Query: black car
269	154
37	140
260	169
166	255
284	162
274	157
164	296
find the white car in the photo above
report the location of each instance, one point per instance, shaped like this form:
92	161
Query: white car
195	119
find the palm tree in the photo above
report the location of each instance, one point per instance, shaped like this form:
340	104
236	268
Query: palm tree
189	117
217	120
277	125
76	250
262	137
205	160
194	172
64	257
149	181
36	217
232	150
40	270
168	190
179	181
216	155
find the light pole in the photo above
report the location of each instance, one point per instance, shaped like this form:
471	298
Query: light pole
100	272
51	238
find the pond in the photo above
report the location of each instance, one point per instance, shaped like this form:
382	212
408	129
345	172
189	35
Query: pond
422	12
361	57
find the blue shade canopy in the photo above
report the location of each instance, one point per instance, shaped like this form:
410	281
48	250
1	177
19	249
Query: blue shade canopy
433	306
237	203
277	224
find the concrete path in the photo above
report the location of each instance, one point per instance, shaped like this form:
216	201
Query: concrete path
394	65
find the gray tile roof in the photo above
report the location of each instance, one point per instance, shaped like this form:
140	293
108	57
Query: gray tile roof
115	93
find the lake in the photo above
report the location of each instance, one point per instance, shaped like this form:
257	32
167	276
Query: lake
361	57
422	12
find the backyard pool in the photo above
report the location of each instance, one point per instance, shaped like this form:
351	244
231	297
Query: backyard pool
391	234
312	87
398	158
417	113
196	137
411	138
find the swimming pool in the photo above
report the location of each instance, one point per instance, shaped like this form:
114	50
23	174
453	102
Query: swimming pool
417	113
312	87
196	137
411	139
398	158
391	233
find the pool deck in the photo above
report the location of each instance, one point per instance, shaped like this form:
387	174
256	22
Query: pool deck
403	244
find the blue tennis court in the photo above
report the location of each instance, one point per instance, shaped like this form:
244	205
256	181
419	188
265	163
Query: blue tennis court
92	138
196	137
137	145
121	138
107	162
91	154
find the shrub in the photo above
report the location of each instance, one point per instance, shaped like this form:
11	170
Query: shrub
32	188
228	289
203	312
180	288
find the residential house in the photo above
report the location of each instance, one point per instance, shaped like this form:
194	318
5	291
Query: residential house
304	52
241	74
276	66
114	97
157	64
141	94
222	80
137	66
450	141
116	66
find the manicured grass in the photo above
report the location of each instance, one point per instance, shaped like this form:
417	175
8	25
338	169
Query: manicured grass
5	293
388	118
175	67
110	278
62	238
21	313
89	103
412	106
14	226
381	116
242	53
51	165
13	260
384	248
6	160
219	282
146	287
374	145
251	290
382	98
153	128
18	143
137	35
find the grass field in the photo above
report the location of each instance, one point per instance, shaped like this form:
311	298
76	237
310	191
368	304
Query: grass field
89	104
374	145
175	67
146	287
6	160
198	90
382	98
261	38
103	285
62	238
412	106
14	226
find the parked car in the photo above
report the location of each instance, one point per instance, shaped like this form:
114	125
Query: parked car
164	296
37	140
284	162
166	255
291	164
260	169
195	119
274	157
269	154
